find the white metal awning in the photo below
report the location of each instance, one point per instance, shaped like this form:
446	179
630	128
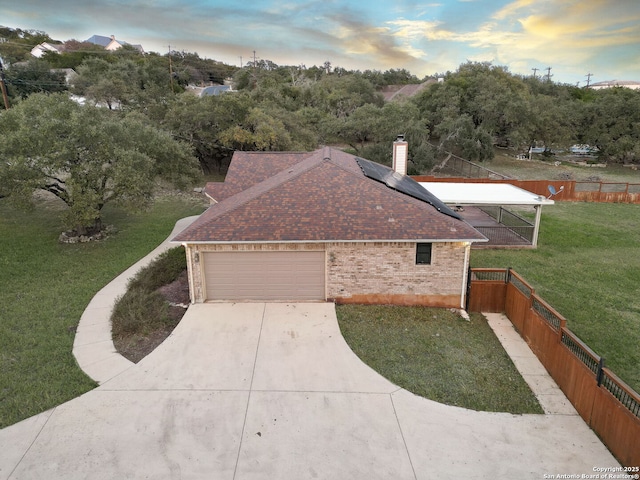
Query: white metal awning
484	194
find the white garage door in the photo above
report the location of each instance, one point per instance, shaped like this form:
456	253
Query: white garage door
264	275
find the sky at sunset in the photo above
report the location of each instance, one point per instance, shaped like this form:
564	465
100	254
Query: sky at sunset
574	38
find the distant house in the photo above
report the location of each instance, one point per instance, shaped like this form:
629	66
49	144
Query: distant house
39	50
326	225
615	83
110	43
209	90
69	74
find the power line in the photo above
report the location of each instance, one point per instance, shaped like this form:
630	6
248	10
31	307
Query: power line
17	81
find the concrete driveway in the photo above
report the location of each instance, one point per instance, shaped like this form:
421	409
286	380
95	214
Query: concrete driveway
272	391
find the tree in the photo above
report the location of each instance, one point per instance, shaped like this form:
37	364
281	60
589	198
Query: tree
18	43
87	157
612	123
72	54
495	102
260	131
474	143
34	76
201	120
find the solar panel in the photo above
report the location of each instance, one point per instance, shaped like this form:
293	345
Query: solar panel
403	184
373	170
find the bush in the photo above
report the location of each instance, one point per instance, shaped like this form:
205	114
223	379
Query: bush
142	308
139	311
163	270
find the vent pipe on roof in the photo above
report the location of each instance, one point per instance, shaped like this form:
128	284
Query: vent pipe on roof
400	155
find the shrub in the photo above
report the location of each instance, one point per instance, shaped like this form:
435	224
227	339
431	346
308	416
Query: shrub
163	270
139	311
142	308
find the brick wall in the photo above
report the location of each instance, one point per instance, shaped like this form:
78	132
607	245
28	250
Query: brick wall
368	272
386	272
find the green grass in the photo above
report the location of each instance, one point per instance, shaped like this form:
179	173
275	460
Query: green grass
539	169
44	288
587	266
438	355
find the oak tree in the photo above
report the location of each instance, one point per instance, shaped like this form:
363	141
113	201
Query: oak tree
87	157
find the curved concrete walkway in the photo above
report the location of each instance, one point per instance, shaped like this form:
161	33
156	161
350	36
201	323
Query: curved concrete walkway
272	391
93	346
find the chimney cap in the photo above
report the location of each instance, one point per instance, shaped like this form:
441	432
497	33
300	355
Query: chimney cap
400	138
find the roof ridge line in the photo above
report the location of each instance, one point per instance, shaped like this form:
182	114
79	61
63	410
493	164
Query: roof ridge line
266	185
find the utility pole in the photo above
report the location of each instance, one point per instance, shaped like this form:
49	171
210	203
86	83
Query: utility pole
549	74
240	61
535	70
170	70
254	74
3	86
589	75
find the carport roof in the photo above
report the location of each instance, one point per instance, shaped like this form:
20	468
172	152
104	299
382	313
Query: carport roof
318	196
484	194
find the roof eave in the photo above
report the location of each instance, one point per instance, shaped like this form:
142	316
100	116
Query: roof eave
253	242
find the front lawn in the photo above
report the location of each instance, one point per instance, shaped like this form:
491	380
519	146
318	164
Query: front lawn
437	354
44	288
587	266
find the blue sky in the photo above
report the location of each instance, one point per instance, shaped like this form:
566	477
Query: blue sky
574	38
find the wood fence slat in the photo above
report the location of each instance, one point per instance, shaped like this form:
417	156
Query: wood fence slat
568	360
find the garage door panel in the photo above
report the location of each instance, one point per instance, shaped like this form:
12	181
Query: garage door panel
264	275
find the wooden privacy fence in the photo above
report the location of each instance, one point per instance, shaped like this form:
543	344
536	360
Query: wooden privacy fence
608	405
606	192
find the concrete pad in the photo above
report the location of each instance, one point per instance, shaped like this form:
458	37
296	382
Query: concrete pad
105	298
88	333
16	440
447	442
302	349
93	353
212	348
110	367
528	365
552	400
542	384
556	405
301	435
262	391
109	435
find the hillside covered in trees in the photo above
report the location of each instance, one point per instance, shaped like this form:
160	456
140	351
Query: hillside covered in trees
274	107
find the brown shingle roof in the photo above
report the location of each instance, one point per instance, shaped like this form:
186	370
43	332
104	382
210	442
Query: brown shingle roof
321	197
249	168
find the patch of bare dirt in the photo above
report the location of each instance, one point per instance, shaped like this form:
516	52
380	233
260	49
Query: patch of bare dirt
137	346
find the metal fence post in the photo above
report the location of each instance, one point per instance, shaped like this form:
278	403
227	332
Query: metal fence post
468	299
600	373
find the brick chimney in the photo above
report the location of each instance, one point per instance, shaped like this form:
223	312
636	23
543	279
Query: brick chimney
400	155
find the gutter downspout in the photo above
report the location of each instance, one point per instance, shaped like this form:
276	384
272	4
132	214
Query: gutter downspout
465	275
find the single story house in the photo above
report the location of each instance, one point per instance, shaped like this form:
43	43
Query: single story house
39	50
110	43
326	225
